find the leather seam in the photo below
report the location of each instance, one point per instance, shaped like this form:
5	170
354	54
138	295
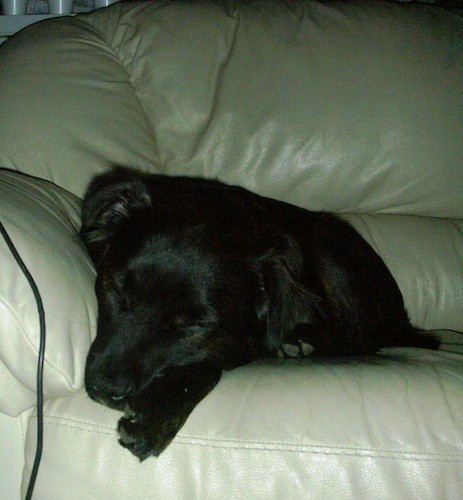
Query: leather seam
279	446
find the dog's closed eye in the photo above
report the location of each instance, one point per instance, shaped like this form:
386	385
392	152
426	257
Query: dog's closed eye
188	329
124	302
114	289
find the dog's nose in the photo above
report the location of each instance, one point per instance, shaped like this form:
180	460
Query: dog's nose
115	389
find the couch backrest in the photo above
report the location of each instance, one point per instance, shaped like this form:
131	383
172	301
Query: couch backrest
343	106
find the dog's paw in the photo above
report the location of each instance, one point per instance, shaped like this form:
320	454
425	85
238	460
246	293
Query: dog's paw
137	445
145	437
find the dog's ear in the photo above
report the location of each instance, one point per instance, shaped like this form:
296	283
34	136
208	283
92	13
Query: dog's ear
110	200
285	302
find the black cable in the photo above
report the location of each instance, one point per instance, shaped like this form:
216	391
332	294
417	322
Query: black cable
38	299
443	330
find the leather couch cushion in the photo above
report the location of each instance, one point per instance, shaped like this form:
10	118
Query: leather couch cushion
342	106
390	428
42	221
424	254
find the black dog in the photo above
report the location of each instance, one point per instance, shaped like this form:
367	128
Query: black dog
196	277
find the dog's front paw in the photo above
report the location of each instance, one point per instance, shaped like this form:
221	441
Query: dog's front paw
131	437
145	437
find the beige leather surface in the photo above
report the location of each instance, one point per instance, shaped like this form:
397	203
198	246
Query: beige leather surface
282	430
12	440
42	222
425	256
344	106
72	106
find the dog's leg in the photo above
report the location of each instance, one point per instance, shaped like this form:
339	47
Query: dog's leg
154	416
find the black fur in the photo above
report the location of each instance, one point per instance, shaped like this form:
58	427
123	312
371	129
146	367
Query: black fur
195	277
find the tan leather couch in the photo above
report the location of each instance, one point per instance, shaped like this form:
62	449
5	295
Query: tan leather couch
353	107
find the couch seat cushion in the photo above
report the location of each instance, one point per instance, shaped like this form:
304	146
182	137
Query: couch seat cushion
279	429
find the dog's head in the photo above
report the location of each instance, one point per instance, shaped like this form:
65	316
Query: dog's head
175	286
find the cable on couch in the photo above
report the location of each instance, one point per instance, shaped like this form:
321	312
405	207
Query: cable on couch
40	364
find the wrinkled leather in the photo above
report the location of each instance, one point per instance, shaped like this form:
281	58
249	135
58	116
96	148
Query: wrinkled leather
345	106
42	221
425	256
354	107
279	430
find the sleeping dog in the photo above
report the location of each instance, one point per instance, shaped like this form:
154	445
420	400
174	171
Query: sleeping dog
195	277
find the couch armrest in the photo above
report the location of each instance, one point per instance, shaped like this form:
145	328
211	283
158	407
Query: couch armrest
42	221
